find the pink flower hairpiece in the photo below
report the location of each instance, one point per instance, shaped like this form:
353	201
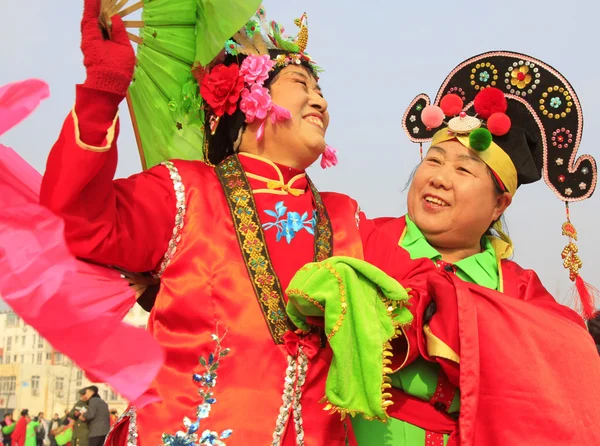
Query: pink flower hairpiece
255	69
256	101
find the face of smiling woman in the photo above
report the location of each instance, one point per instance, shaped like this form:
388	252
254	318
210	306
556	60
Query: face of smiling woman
299	141
453	199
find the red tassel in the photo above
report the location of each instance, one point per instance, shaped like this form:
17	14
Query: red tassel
589	296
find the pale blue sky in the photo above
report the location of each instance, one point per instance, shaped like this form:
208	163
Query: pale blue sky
378	55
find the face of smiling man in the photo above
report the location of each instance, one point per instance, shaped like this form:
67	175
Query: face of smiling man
299	141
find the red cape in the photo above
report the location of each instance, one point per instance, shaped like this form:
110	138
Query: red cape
18	435
528	366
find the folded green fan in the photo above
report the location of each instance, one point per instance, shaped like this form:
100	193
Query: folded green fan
163	99
364	309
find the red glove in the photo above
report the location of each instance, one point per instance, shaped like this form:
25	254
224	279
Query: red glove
109	63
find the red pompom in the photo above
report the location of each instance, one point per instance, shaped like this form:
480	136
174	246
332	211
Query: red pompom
499	124
490	101
451	104
432	116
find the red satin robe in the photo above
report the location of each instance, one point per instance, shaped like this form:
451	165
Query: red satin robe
129	223
525	365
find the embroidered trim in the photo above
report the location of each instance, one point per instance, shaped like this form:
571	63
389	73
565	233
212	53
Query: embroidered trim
110	135
323	230
132	433
179	217
251	239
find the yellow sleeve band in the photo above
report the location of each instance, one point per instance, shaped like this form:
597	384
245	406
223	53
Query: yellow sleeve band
110	135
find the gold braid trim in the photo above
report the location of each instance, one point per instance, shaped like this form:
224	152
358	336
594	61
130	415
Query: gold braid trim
301	294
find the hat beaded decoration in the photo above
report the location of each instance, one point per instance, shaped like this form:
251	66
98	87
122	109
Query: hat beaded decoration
523	118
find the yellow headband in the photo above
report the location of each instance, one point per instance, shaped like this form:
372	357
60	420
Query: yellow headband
494	157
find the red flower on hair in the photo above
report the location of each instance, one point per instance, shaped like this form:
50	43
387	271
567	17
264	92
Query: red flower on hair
221	88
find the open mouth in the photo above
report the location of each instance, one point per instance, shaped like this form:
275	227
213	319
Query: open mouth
435	201
316	121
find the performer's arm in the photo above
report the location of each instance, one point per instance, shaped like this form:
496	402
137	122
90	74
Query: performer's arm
127	223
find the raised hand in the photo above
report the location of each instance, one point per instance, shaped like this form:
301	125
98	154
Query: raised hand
110	62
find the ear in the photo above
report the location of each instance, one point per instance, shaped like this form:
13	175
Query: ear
502	202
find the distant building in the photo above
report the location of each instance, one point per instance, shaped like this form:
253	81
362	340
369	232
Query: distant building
35	376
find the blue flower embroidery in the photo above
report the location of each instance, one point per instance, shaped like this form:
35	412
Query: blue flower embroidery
484	76
207	381
555	102
292	223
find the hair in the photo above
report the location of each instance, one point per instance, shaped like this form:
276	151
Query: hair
93	389
24	412
222	144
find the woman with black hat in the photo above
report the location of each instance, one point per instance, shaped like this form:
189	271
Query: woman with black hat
489	356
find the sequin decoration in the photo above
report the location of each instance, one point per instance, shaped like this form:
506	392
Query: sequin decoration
556	103
585	171
179	216
207	381
457	91
295	377
434	439
559	161
562	138
568	191
253	246
296	406
130	416
582	186
522	78
483	75
284	410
